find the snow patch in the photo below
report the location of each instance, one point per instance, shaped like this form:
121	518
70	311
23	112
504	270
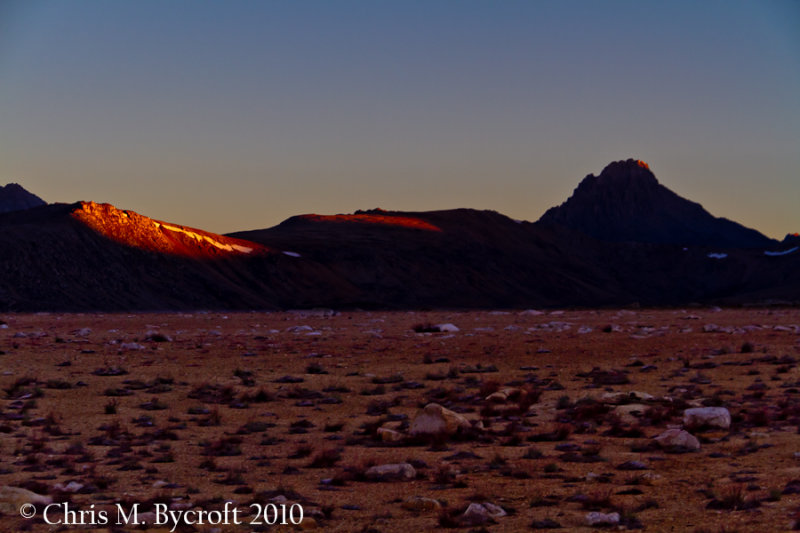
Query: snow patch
783	252
206	238
292	254
717	256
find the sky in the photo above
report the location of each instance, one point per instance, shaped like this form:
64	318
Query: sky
236	115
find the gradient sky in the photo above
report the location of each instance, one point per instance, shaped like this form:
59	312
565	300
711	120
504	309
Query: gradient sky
236	115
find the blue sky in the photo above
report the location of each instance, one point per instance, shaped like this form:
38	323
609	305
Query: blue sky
235	115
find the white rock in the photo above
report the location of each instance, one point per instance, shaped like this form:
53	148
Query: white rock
11	498
712	417
72	486
131	346
475	514
390	435
630	413
495	511
419	504
391	472
434	419
447	328
678	438
602	519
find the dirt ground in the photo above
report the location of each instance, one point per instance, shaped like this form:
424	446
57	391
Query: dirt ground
105	411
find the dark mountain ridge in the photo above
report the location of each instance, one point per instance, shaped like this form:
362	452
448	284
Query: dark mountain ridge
87	256
626	203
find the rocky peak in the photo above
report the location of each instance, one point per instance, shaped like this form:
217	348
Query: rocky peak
626	203
14	197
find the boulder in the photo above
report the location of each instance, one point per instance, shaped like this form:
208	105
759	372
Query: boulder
630	412
707	417
678	440
390	435
475	515
11	498
622	397
434	419
391	472
420	504
602	519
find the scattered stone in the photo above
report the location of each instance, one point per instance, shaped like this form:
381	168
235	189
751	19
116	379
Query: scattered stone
632	465
630	413
390	435
707	417
622	397
420	504
602	519
131	346
478	514
11	498
72	487
677	441
391	472
434	419
447	328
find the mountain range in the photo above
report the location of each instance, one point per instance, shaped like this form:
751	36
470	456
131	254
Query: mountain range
621	239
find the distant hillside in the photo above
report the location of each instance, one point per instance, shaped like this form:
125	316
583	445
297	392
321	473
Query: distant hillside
13	197
625	203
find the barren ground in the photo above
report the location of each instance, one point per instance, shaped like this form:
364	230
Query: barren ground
198	414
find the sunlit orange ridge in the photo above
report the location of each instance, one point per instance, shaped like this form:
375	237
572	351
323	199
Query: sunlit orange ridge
373	218
132	229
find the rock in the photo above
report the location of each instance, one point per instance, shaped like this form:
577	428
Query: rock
630	413
475	515
11	498
497	397
434	419
632	465
447	328
72	486
308	523
391	472
620	397
495	511
390	435
602	519
707	417
678	440
420	504
131	346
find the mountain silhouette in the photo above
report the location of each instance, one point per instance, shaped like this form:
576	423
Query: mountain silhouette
13	197
626	203
88	256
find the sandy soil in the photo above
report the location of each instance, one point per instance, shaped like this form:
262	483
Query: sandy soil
191	410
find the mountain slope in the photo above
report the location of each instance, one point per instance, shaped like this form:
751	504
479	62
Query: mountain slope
13	197
625	203
52	259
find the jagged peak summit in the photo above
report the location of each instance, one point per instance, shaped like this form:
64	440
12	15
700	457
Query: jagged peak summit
626	203
627	172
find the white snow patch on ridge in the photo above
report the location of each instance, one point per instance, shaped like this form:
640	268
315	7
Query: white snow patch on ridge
783	252
717	256
213	242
